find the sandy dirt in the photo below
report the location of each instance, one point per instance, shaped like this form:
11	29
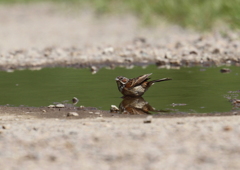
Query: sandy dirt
46	138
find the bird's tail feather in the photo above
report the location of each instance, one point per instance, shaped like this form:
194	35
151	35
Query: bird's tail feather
163	79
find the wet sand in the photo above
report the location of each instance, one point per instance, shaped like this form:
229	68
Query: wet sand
46	138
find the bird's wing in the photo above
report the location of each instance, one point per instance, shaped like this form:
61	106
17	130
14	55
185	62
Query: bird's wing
138	80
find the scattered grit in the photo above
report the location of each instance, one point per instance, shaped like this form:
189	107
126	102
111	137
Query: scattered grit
36	36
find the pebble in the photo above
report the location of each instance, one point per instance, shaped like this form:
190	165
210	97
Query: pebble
235	113
225	70
5	126
237	101
114	109
148	119
51	106
93	69
227	128
72	114
59	106
108	50
75	100
81	107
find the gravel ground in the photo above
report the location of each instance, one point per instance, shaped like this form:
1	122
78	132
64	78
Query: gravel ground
46	138
29	142
36	36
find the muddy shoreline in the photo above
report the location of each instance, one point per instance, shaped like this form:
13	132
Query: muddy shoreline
92	112
135	53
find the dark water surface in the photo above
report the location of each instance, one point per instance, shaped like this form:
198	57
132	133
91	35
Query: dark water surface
201	89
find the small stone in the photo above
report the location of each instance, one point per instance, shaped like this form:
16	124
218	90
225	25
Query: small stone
225	70
148	119
108	50
81	107
90	112
34	128
93	69
59	106
10	70
52	158
72	114
97	113
160	63
75	100
130	66
235	113
5	126
44	111
139	39
216	51
129	60
236	101
227	128
193	52
114	109
51	106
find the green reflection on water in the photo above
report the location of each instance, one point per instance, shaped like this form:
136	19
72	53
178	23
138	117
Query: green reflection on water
202	89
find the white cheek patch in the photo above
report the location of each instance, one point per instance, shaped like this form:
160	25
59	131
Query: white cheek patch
122	88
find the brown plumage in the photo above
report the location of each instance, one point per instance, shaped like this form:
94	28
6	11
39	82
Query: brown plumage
135	105
136	87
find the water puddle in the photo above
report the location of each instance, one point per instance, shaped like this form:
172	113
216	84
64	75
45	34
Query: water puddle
194	89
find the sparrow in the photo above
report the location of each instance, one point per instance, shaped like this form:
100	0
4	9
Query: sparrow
136	87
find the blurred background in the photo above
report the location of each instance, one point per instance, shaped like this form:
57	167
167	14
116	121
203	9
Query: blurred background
41	23
197	14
